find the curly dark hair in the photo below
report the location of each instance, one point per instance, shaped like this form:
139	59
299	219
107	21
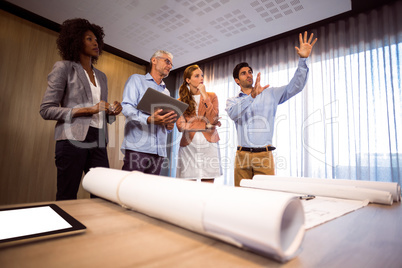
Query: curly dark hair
70	41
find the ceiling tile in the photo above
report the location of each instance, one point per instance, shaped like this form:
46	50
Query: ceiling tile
192	30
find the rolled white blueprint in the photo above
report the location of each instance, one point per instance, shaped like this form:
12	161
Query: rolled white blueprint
375	192
272	225
391	187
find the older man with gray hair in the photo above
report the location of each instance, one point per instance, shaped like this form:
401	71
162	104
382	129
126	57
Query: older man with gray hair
145	136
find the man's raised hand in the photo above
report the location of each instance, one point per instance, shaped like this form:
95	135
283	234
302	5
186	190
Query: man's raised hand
305	45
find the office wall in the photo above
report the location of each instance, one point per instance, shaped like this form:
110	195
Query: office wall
27	54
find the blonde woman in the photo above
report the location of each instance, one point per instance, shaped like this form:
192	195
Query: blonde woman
199	156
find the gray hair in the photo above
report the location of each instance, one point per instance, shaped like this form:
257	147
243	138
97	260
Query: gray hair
160	53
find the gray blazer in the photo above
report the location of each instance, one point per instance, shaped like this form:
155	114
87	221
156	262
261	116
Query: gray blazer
68	88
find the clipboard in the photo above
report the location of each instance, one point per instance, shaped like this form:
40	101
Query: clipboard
153	100
38	222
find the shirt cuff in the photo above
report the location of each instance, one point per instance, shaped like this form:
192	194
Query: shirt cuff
143	118
303	62
250	99
69	116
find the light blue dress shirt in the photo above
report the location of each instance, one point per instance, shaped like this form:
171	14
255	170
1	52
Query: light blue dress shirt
138	135
255	117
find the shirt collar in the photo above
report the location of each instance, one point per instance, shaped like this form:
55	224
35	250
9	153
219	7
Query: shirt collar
149	77
242	94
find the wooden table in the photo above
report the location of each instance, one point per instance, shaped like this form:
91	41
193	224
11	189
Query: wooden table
116	237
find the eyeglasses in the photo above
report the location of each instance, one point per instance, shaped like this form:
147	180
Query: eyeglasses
167	61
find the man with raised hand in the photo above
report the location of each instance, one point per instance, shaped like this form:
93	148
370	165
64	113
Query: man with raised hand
253	111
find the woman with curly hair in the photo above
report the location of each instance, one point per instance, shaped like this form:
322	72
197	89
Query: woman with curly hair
76	97
199	156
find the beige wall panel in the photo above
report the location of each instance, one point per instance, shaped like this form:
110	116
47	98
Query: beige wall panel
27	54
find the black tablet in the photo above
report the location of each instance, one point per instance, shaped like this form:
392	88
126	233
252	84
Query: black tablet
26	224
153	99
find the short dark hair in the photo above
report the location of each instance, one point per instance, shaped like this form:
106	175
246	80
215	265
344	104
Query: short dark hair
70	40
236	69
